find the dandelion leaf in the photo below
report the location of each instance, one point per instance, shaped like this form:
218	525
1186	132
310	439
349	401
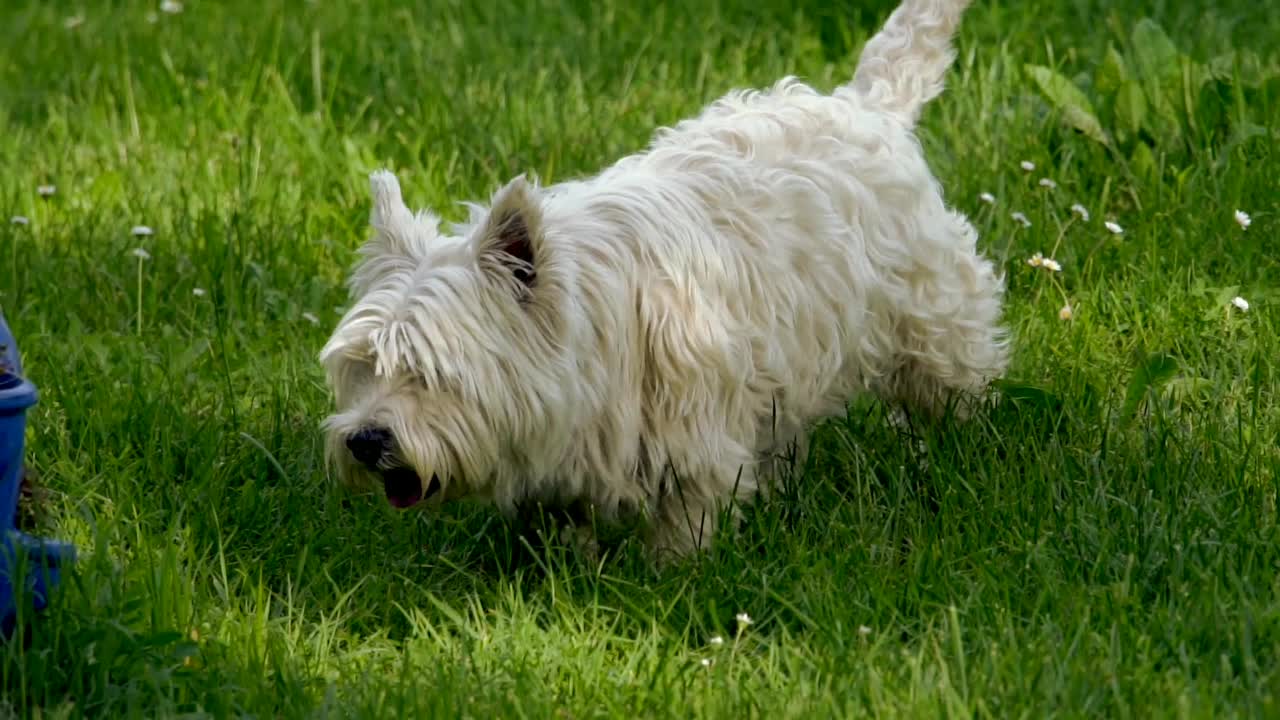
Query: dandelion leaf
1131	107
1152	373
1113	73
1069	100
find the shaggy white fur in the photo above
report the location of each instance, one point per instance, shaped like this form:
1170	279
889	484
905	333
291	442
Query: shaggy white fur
644	339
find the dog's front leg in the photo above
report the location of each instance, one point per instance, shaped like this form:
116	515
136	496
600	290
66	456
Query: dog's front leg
572	524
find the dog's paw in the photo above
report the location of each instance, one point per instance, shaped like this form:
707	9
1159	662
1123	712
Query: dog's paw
583	539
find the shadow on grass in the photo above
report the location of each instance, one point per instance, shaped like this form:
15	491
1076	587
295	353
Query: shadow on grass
305	595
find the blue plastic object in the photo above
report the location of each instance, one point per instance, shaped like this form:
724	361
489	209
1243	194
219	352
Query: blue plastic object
28	565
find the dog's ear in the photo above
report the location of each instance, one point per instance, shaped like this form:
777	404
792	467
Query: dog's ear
388	203
396	230
399	237
511	236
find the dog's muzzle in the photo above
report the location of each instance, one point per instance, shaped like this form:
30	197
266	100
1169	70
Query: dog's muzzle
404	488
372	447
369	445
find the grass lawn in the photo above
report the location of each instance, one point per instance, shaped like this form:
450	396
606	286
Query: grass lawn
1106	546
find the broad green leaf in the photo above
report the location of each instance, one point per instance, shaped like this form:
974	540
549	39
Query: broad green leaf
1113	73
1195	77
1144	162
1069	100
1218	305
1154	54
1243	66
1159	68
1190	389
1223	66
1026	394
1241	133
1131	107
1156	370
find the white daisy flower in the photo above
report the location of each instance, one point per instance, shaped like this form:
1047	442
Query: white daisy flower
20	220
140	253
863	630
311	318
706	662
45	191
172	7
142	231
1243	219
1065	313
1021	219
1052	265
716	641
1240	303
1113	227
1036	260
198	292
743	618
1048	183
987	198
1081	210
1027	165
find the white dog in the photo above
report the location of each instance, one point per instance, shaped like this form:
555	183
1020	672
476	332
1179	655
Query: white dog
643	340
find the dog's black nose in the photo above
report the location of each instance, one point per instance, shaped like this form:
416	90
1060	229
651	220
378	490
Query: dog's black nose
368	445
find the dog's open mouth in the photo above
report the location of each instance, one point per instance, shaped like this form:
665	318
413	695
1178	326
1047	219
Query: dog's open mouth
404	487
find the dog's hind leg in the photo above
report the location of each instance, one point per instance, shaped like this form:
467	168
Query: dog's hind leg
953	346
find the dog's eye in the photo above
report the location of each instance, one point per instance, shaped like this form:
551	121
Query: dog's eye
357	373
436	382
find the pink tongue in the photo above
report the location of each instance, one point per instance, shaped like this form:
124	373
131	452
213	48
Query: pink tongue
403	501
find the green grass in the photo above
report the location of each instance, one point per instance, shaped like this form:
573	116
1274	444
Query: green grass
1070	555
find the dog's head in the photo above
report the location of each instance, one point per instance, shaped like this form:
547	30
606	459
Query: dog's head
449	360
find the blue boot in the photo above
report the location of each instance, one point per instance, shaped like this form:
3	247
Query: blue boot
28	565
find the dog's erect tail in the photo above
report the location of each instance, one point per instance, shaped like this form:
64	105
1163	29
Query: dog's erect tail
902	66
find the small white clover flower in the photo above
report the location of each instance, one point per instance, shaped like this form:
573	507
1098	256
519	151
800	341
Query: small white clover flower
140	253
1040	261
1114	227
198	292
863	630
716	641
311	318
1048	183
1240	303
1081	210
743	618
1027	165
987	198
1065	313
20	220
172	7
1243	219
45	191
142	231
1021	219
